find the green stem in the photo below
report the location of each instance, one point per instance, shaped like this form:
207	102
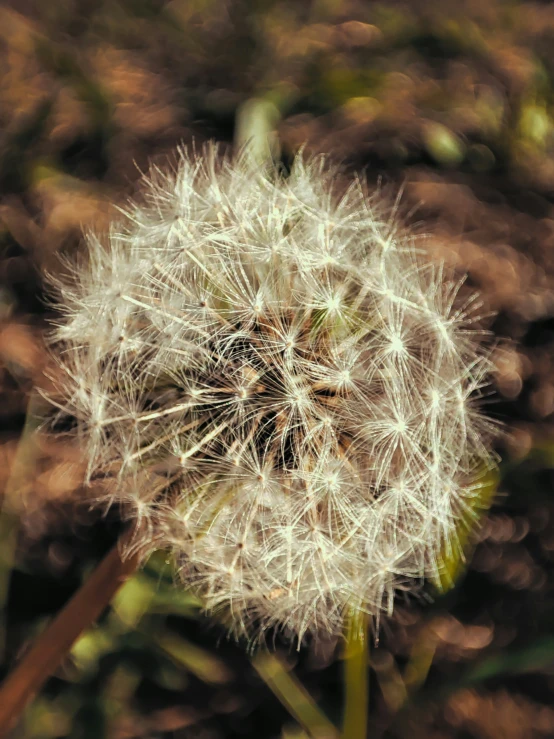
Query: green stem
22	469
356	678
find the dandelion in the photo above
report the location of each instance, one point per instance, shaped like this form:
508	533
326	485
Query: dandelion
271	379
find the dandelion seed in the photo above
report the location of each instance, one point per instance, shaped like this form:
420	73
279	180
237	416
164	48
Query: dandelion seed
281	386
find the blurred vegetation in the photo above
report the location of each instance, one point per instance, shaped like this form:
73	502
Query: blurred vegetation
452	102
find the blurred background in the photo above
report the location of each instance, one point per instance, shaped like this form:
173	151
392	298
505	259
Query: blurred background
451	102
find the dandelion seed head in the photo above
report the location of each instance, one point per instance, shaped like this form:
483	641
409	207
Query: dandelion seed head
275	382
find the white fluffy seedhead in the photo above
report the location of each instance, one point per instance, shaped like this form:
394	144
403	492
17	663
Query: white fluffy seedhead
273	381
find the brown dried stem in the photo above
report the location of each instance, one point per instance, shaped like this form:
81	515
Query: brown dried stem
81	611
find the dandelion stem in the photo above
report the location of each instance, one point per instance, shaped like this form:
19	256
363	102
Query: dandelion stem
40	661
356	678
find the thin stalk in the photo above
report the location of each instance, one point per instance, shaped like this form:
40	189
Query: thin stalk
356	679
22	469
80	612
294	696
9	527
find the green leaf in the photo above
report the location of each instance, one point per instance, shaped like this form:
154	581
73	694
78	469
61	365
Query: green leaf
294	696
